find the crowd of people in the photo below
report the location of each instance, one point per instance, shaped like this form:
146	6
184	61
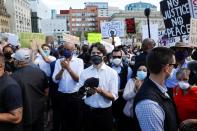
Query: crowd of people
89	89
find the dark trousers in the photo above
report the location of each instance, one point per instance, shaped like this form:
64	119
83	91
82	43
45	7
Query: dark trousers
98	119
56	108
37	125
129	124
71	112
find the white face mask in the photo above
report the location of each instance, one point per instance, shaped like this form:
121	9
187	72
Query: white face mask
116	61
183	85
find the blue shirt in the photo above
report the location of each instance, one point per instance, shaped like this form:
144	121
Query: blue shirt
172	82
150	114
118	70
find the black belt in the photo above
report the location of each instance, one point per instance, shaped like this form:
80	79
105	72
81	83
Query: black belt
97	109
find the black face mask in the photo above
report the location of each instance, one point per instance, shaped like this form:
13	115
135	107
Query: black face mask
96	59
8	55
181	55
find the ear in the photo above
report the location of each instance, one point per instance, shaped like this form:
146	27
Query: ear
165	68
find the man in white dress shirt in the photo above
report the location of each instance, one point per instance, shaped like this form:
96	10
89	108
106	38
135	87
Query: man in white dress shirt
66	74
98	115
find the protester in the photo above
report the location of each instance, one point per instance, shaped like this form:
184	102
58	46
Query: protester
98	114
11	110
33	83
147	45
66	74
9	61
153	108
85	56
3	42
132	87
185	97
44	59
124	73
182	51
54	95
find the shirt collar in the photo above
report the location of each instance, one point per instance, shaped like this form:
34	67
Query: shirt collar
103	66
163	89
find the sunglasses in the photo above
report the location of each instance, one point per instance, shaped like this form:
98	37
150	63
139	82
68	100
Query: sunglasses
117	57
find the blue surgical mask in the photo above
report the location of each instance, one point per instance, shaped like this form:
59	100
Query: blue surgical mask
141	75
47	52
67	53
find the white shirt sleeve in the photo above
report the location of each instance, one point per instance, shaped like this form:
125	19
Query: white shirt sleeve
56	70
114	85
129	92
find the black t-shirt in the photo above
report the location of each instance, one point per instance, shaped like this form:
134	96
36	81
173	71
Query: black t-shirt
10	99
33	82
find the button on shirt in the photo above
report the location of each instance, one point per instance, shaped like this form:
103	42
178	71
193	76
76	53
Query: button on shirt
44	66
67	84
108	81
150	114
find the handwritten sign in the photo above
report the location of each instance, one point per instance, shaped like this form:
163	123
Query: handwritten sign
113	28
94	37
193	32
27	38
176	15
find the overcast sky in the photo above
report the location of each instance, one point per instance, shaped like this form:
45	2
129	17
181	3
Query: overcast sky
76	4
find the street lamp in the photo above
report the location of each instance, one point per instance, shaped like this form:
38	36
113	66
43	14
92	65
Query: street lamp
147	13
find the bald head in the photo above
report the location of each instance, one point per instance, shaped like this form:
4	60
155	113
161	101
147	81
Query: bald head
148	44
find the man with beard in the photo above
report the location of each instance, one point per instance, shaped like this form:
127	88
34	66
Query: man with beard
153	108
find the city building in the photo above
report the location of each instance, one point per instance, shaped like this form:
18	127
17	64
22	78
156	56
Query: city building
4	18
103	11
55	26
140	6
102	8
38	11
83	20
65	13
20	13
113	10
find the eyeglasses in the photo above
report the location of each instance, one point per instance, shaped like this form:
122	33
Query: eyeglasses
175	65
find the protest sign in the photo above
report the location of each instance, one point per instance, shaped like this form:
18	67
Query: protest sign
71	38
27	38
130	24
193	32
94	37
193	8
176	15
115	28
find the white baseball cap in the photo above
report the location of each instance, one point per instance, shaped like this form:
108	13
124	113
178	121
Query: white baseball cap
22	54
